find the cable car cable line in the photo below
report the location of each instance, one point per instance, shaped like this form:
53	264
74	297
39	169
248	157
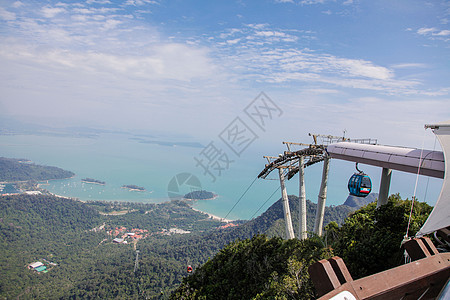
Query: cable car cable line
277	189
415	186
240	198
428	178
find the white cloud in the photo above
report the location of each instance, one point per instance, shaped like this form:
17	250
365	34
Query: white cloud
165	61
7	15
311	2
17	4
442	33
435	33
409	65
257	26
51	12
270	33
318	91
111	24
234	41
140	2
83	10
98	1
360	68
424	31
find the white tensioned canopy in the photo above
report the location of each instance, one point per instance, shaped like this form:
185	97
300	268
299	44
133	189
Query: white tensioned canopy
440	216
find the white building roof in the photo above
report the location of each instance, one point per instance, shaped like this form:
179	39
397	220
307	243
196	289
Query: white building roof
390	157
35	265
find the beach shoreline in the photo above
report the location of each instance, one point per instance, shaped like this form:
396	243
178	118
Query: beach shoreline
214	217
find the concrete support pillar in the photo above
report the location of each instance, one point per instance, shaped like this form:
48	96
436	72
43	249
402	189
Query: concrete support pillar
286	210
302	234
384	186
322	197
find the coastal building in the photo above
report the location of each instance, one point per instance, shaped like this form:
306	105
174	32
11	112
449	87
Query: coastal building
42	269
35	265
38	267
178	231
32	193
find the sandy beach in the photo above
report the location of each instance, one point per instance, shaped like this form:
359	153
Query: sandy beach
214	216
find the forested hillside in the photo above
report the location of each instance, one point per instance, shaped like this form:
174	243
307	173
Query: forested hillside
271	268
75	236
257	268
19	170
78	238
272	223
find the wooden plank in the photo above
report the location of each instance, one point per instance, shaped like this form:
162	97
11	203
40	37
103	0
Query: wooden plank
323	276
416	249
421	278
340	269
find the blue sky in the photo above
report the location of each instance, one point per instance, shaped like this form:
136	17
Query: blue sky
376	69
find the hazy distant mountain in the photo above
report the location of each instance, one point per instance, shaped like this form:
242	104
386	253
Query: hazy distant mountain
358	202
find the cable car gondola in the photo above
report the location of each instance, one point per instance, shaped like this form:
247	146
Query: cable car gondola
189	269
359	184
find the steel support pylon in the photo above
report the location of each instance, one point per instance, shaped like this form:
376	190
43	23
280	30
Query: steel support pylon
302	200
322	197
286	210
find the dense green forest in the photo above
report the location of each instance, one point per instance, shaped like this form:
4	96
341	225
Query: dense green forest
272	268
75	236
257	268
78	237
17	170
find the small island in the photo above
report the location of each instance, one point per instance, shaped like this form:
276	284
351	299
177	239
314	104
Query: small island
200	195
133	187
95	181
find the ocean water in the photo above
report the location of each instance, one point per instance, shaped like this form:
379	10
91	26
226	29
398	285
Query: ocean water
8	188
120	160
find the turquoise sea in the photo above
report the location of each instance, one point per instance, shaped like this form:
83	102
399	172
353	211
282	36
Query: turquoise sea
119	159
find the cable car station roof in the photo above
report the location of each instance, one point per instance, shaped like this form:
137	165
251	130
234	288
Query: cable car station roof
390	157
